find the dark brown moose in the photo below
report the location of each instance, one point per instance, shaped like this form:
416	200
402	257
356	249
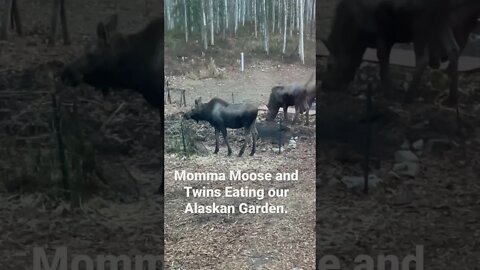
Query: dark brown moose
222	115
121	61
434	26
301	96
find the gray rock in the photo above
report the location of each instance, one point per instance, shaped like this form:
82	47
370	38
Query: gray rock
358	182
292	143
406	168
418	145
405	156
278	150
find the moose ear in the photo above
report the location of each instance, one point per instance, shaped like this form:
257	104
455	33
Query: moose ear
102	34
111	25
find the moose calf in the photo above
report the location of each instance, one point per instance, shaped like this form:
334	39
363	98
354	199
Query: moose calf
222	115
300	96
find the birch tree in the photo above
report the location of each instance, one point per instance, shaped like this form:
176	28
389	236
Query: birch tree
167	11
285	15
204	26
226	19
291	17
265	28
244	7
273	17
236	17
212	40
185	20
282	20
300	43
255	15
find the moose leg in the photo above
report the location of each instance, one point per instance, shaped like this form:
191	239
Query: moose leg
253	131
383	54
309	106
297	114
421	62
285	108
453	74
247	132
453	52
307	112
224	133
217	136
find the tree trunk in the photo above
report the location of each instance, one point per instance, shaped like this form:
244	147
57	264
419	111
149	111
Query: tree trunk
265	27
16	17
11	18
285	26
212	33
226	14
167	7
186	20
273	17
279	13
53	22
312	21
291	17
236	17
244	7
63	20
204	26
255	15
297	13
300	43
226	19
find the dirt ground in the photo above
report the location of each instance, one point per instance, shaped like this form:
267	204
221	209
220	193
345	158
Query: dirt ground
128	220
239	241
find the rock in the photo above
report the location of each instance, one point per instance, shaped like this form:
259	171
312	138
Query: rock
418	145
278	150
358	182
292	143
437	146
405	156
406	168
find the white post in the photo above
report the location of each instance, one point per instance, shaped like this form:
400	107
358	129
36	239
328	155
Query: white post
241	61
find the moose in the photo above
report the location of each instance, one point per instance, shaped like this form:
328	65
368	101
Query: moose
297	95
122	61
439	31
222	115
